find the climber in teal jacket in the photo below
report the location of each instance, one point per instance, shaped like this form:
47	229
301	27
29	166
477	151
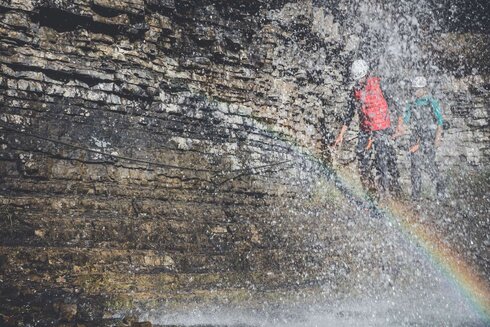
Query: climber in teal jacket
424	118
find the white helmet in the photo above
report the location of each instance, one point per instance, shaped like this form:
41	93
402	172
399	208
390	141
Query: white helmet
359	69
419	82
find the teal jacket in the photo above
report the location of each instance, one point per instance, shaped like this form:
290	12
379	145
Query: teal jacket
422	102
423	115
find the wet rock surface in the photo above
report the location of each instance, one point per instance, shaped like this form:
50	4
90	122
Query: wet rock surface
152	155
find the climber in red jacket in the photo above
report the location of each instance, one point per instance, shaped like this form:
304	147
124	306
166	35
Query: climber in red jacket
374	132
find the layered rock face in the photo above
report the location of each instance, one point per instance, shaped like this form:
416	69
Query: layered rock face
145	154
153	152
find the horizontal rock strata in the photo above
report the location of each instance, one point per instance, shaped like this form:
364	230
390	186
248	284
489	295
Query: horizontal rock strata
153	154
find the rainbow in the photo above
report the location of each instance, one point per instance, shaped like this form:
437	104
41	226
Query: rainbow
451	263
474	287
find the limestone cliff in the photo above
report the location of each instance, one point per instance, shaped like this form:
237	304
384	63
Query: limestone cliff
153	153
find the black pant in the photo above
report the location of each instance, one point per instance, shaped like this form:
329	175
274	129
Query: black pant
424	159
384	162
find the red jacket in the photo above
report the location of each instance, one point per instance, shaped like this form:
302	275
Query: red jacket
374	115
